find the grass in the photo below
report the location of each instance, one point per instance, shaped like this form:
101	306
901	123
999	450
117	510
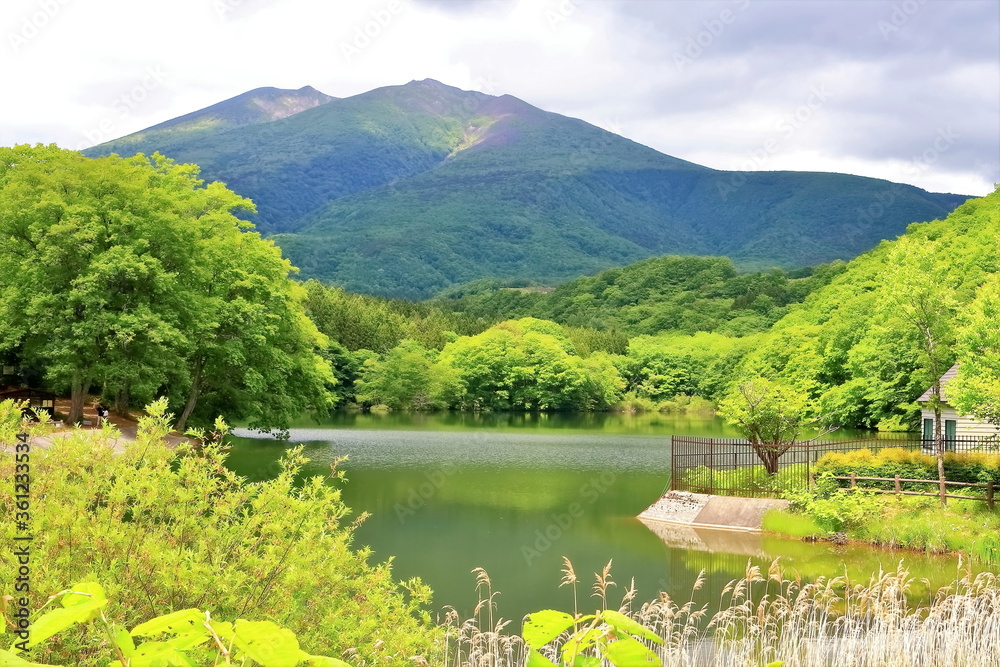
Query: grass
791	524
964	526
765	617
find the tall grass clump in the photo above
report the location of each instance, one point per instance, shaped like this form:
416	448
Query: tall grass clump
773	619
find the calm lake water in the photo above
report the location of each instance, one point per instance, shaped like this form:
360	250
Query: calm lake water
515	493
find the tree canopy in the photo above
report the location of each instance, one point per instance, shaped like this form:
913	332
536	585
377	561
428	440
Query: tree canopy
131	276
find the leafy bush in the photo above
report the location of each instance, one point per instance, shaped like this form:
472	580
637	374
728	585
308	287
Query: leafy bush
968	467
167	530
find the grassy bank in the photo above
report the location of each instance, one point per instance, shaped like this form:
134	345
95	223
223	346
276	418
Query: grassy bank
963	526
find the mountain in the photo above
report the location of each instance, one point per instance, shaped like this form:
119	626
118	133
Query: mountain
407	190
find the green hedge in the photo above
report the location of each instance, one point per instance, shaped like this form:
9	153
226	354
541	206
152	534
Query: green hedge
971	467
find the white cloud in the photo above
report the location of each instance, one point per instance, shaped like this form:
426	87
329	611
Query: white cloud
75	69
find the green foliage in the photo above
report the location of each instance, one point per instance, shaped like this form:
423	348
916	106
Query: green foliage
132	276
976	390
663	294
185	532
529	364
967	467
858	348
408	377
195	635
606	635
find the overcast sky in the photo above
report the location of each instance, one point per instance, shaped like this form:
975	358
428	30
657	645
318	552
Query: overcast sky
907	90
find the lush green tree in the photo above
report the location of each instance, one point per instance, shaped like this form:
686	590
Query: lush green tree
769	415
407	377
130	275
255	355
860	348
528	364
976	390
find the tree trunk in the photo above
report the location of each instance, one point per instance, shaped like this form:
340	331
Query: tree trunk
121	401
192	400
939	439
78	394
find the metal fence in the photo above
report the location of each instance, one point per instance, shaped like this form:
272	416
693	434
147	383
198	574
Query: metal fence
724	466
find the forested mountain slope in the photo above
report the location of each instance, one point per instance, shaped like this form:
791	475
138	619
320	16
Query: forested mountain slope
407	190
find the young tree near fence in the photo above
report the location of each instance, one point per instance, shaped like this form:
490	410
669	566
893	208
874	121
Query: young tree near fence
769	415
924	305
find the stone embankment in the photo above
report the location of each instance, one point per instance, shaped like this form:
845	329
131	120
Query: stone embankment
701	510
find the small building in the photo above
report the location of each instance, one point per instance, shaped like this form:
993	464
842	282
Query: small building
37	399
956	428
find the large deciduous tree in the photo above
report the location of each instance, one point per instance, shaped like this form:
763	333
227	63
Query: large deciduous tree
131	276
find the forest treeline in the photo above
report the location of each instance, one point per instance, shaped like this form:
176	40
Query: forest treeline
132	279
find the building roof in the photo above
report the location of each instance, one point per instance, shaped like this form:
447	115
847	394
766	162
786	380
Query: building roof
945	379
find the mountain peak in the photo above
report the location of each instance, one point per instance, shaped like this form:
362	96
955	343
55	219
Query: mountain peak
260	105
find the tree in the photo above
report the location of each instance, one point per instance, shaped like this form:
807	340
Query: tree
770	415
406	378
130	275
921	300
976	389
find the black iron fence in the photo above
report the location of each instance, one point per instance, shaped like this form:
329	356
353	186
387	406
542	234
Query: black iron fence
725	466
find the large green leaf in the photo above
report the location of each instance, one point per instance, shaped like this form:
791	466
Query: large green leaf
620	621
159	654
544	626
268	644
11	660
629	652
323	661
57	620
580	642
536	659
178	622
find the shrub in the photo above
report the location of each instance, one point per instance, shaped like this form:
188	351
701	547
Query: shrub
969	467
168	530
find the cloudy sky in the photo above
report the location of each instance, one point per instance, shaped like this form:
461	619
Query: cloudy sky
907	90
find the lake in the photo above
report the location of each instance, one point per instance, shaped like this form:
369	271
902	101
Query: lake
515	493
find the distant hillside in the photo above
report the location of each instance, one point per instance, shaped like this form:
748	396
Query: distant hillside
665	294
854	344
407	190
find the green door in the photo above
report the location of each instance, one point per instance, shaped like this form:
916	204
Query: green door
949	435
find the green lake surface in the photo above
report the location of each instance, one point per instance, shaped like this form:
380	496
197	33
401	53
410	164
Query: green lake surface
513	494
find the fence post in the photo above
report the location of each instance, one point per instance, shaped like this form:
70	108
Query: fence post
711	465
673	463
853	483
989	494
898	487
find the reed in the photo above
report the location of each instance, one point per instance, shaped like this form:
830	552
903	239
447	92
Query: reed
766	617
